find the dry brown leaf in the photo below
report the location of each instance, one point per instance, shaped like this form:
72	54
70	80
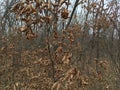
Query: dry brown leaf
61	2
23	28
64	14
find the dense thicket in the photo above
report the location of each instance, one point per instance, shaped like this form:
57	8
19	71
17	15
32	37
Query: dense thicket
59	45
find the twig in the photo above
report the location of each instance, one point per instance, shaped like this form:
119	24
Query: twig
50	56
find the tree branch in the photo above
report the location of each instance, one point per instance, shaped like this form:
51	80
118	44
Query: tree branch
76	3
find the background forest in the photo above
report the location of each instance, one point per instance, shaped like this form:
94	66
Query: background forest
59	45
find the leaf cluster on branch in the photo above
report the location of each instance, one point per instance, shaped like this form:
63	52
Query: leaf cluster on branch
33	12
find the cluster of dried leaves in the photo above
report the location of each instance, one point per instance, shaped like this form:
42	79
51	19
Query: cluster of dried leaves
33	12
